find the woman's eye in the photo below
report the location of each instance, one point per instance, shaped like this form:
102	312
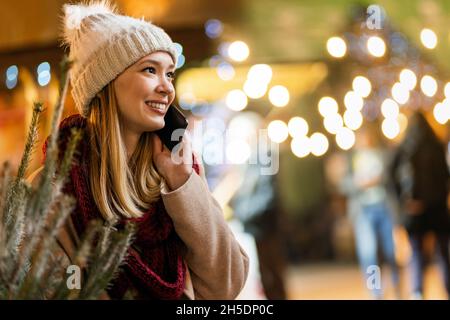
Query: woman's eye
171	75
150	69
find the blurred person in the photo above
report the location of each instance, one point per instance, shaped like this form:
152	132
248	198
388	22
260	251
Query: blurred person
122	83
420	176
370	210
256	205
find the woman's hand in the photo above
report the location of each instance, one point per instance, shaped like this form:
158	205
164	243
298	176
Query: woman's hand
175	171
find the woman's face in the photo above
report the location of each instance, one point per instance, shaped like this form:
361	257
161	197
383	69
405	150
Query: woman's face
144	92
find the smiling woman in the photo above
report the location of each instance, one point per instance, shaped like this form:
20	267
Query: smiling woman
122	86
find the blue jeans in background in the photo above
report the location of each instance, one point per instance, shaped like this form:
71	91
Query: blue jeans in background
373	227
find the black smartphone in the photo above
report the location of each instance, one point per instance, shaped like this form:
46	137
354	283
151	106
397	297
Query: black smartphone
174	120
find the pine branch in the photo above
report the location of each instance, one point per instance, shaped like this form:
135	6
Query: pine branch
31	266
60	211
80	259
43	197
5	180
15	194
101	274
31	140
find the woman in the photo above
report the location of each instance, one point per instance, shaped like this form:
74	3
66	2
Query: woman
420	173
370	210
122	85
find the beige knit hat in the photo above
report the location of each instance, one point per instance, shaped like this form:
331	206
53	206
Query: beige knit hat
103	44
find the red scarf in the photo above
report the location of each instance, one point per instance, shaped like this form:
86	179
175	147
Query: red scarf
158	270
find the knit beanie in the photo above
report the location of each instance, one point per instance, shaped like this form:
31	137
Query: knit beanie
103	44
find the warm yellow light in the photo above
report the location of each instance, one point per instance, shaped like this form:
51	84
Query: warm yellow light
353	101
327	105
345	138
447	90
402	121
319	144
298	127
277	131
238	51
376	46
279	96
400	93
361	85
254	89
236	100
428	38
336	47
333	122
353	119
408	79
428	85
441	112
390	128
260	72
390	109
301	146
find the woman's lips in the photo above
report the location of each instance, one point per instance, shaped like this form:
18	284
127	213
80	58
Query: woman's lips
159	108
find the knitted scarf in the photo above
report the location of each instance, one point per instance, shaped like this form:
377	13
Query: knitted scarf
154	267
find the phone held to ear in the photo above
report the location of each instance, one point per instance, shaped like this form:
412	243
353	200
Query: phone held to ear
174	120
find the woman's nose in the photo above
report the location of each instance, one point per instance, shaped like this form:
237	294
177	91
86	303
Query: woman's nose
165	87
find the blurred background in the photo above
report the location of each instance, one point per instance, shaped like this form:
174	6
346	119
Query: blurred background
335	86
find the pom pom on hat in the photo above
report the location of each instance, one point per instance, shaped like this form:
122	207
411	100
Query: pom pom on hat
74	15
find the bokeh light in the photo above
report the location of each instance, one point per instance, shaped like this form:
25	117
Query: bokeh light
428	85
279	96
236	100
327	105
353	119
301	146
345	138
428	38
390	128
333	122
319	144
278	131
238	51
361	85
376	46
298	127
408	78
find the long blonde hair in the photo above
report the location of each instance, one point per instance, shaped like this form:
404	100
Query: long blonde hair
120	186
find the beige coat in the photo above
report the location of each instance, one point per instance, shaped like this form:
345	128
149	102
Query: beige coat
217	265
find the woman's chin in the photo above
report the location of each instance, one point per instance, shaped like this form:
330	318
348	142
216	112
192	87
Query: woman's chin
156	125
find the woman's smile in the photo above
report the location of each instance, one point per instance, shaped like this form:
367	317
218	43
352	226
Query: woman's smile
158	107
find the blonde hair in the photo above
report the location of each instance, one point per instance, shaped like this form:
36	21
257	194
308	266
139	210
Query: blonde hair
120	186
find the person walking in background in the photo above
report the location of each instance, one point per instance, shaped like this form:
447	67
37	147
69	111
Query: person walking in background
420	177
256	204
370	211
